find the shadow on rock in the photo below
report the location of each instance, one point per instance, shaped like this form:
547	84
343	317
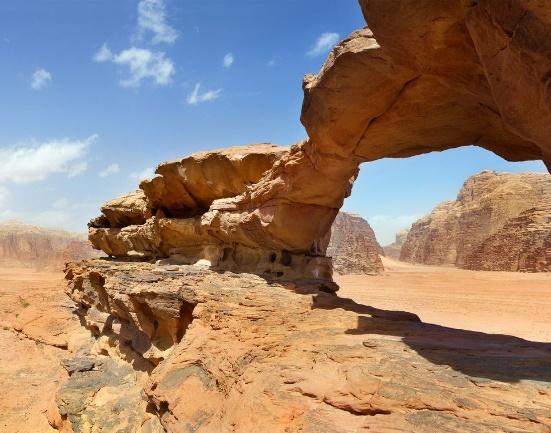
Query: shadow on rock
477	354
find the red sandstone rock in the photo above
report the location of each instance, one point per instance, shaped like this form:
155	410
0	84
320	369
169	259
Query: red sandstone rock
522	244
353	246
485	203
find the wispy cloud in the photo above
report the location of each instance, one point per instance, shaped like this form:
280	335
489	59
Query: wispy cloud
228	60
324	43
152	19
146	173
109	170
196	97
40	79
142	64
36	161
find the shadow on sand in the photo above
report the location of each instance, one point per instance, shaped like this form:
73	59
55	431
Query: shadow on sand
477	354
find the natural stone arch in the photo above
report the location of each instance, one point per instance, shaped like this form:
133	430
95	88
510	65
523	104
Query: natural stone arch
429	75
439	75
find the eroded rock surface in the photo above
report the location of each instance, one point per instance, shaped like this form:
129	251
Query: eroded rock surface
427	75
253	354
353	247
452	232
522	244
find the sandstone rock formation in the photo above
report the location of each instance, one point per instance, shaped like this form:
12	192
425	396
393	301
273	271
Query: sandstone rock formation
486	202
27	245
230	352
394	249
522	244
428	75
353	247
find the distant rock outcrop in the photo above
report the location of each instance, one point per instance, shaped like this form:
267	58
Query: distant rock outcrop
394	249
522	244
486	203
28	245
353	246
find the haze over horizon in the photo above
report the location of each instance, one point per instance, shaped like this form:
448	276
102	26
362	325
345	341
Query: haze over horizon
139	82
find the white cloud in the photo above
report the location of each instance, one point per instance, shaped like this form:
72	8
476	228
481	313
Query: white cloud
4	193
152	19
109	170
40	79
325	42
228	60
142	64
147	173
386	226
37	161
104	54
196	97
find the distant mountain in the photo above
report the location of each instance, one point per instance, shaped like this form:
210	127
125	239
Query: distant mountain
394	249
488	226
27	245
353	246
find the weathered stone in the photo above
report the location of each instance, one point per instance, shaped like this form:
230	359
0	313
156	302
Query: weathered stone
353	247
485	203
522	244
428	76
253	354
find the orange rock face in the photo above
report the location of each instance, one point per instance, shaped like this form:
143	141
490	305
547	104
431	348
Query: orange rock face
428	75
353	247
522	244
485	205
231	352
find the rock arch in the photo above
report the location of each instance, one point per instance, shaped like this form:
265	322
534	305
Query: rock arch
427	75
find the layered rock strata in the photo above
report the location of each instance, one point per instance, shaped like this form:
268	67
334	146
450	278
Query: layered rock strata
353	247
426	76
452	232
522	244
231	352
394	249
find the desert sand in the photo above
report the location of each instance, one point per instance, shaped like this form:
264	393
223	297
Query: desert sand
511	303
30	369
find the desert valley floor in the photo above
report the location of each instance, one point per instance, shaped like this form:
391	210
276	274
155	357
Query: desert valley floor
490	302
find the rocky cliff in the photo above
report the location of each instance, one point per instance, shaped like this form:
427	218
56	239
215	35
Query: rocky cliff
353	246
451	233
27	245
522	244
394	249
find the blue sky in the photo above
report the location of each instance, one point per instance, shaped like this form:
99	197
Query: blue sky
95	93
